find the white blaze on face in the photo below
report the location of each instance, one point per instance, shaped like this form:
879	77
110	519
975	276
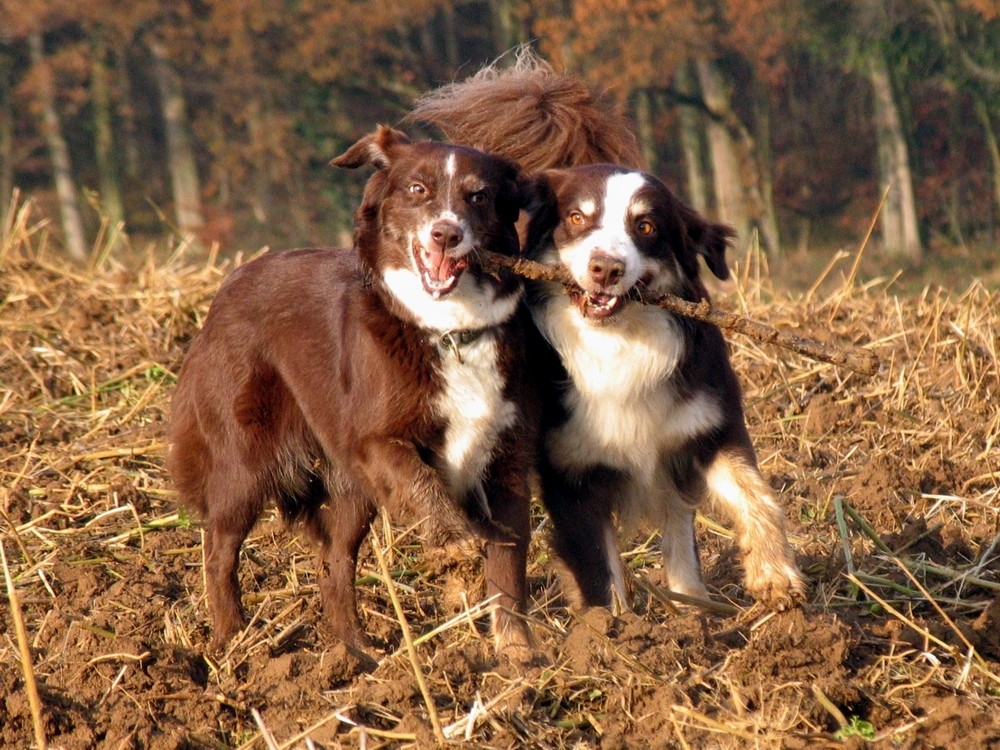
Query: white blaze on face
446	212
471	304
609	235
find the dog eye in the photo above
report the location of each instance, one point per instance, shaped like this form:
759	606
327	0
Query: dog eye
416	188
577	218
477	197
645	227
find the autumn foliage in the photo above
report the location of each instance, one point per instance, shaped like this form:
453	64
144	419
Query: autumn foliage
217	117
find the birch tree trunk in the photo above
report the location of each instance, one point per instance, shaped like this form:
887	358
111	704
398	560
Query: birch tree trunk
180	153
107	163
742	197
69	201
900	230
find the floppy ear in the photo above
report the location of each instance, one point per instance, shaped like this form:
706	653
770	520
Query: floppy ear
710	240
517	195
542	209
375	148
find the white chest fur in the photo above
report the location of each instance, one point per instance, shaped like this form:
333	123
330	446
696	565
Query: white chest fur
624	411
477	412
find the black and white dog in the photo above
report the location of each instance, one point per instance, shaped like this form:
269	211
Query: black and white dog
643	417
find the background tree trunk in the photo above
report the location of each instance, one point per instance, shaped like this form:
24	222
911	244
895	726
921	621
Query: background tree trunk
644	129
69	201
900	232
742	197
127	112
991	146
107	164
180	154
506	31
6	142
730	199
764	159
692	145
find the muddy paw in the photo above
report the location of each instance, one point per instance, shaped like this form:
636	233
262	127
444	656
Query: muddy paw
345	663
513	641
223	634
779	589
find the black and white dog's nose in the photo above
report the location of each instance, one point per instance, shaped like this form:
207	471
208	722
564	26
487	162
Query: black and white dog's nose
604	270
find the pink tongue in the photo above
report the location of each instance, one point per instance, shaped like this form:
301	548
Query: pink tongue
440	266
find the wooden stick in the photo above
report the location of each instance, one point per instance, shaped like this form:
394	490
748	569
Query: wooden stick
862	361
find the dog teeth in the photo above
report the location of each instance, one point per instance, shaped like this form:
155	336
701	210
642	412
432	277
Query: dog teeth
603	302
437	288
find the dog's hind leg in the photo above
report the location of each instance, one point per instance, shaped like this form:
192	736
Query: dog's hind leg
736	484
227	524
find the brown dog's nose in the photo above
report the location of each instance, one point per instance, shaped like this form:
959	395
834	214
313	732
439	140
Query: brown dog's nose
605	270
446	235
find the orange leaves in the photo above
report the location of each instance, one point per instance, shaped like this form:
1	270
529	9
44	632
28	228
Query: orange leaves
988	9
761	30
624	43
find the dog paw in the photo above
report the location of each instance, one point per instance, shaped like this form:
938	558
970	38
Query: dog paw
512	639
223	632
345	663
777	587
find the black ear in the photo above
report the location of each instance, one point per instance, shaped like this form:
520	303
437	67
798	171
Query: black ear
517	193
542	209
709	240
375	148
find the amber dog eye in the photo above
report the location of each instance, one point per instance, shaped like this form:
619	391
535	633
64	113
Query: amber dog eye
477	197
645	227
577	218
416	188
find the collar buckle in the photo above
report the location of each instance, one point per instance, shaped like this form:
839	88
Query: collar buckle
453	341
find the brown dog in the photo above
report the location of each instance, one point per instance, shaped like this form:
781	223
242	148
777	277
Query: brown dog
642	414
337	382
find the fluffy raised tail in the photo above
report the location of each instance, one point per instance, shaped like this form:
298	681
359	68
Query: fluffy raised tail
530	113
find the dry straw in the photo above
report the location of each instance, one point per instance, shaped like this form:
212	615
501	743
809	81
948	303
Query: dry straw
27	668
404	626
897	474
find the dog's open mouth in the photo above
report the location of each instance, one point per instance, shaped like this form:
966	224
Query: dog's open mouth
595	304
439	272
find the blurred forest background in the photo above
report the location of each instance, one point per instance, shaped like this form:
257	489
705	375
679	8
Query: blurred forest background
788	118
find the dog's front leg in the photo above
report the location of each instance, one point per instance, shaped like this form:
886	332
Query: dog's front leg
583	534
772	577
506	561
341	524
403	483
680	548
